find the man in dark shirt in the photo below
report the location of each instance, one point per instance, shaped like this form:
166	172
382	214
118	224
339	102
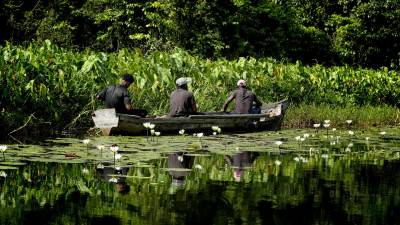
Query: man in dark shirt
182	102
116	96
244	99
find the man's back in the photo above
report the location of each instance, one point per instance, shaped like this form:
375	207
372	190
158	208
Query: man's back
115	96
181	103
243	100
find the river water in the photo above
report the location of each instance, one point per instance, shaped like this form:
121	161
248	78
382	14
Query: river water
286	177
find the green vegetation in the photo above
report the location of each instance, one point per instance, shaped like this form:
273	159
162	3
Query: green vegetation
46	83
360	33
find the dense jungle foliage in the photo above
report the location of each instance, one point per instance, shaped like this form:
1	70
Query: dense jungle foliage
356	32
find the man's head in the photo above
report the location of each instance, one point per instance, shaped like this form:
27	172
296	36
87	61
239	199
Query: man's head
182	82
241	83
127	80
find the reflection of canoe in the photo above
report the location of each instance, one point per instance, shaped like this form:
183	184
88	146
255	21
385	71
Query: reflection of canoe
112	123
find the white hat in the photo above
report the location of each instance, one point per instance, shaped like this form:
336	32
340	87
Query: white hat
183	80
241	83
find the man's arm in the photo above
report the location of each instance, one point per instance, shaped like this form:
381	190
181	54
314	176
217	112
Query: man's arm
102	95
194	106
258	102
230	98
128	104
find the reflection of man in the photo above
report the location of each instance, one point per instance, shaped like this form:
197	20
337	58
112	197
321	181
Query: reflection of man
176	161
239	162
113	175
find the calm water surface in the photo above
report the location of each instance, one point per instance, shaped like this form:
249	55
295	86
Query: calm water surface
326	178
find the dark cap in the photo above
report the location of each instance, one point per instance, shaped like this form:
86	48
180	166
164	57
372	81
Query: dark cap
127	77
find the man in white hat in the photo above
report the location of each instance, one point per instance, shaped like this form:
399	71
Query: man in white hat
244	99
182	102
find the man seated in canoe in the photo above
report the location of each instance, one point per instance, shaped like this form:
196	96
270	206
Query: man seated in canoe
182	101
116	96
244	99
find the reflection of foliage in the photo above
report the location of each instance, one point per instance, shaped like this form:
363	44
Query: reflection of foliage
359	185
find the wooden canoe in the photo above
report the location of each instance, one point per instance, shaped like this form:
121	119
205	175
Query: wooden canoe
112	123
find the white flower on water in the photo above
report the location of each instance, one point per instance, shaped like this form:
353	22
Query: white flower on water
278	143
85	171
152	126
182	132
316	125
100	147
180	158
118	156
326	125
100	166
219	130
152	132
3	148
382	133
306	135
198	166
214	133
304	160
333	142
297	159
157	133
214	128
333	129
114	148
349	121
302	139
147	125
351	132
350	145
86	141
325	156
277	162
113	180
199	135
367	138
297	138
3	174
327	121
347	149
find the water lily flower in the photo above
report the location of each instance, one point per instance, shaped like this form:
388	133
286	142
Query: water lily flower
114	148
351	132
316	125
214	128
278	143
297	138
297	159
306	135
219	130
326	125
100	166
302	139
333	142
277	162
327	121
180	158
3	148
85	171
3	174
113	180
198	166
182	132
147	125
100	147
214	133
350	145
304	160
118	156
157	133
325	156
152	126
86	141
199	135
152	132
347	149
367	138
382	133
349	121
333	129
